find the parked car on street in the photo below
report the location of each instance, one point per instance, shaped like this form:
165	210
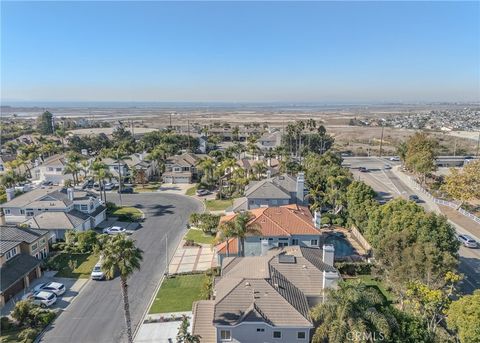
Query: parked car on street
41	298
202	192
126	190
363	169
467	241
97	273
54	287
387	166
114	230
394	158
109	186
414	198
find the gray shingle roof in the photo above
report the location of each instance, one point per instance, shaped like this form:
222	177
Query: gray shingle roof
16	268
10	236
278	187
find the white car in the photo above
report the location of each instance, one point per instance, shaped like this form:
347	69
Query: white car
387	166
394	158
109	186
467	241
114	230
41	298
97	273
54	287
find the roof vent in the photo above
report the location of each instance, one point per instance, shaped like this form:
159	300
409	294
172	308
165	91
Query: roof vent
247	284
304	266
290	259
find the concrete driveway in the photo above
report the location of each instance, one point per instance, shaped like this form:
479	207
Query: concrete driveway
97	314
73	288
192	259
175	188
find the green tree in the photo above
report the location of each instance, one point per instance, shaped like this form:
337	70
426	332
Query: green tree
463	317
207	166
121	256
353	307
420	154
22	312
360	203
45	123
464	185
242	227
184	336
27	335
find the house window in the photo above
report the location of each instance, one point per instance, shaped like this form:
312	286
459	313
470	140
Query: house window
29	213
76	206
274	201
42	241
34	246
277	334
84	207
260	330
225	335
295	241
314	242
50	169
282	244
11	253
6	211
22	211
301	335
58	169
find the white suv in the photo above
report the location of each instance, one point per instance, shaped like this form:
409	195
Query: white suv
41	298
467	241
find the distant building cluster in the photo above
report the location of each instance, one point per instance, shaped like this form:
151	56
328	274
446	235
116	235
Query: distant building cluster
466	119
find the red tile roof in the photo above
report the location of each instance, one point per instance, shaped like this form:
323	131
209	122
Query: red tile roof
281	221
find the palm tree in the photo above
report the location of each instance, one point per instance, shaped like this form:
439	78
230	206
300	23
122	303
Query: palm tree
121	256
72	168
8	179
100	172
207	166
118	155
242	228
225	232
61	133
259	169
353	307
159	154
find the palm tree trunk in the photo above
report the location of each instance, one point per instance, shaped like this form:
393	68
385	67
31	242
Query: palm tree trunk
242	245
228	250
126	309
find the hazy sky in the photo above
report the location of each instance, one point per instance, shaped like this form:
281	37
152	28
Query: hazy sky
233	51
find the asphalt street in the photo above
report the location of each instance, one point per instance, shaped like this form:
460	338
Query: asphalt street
388	186
97	313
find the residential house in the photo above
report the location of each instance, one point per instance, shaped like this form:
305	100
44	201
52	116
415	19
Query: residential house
270	140
135	161
21	251
275	227
52	169
273	191
181	168
56	209
248	164
266	298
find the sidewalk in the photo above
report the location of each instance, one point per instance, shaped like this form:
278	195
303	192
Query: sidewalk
461	222
161	332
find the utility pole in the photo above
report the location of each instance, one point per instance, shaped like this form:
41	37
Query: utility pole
478	145
455	148
166	255
381	142
171	119
188	132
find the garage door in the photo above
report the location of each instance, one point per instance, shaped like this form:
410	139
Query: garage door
182	180
32	275
167	179
16	288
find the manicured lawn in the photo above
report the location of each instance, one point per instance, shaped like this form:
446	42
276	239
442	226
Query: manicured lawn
127	214
199	237
178	293
149	187
370	281
84	263
219	205
191	191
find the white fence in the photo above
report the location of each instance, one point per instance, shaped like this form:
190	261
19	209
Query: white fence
444	202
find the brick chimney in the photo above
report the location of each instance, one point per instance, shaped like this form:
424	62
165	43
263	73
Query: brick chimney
300	188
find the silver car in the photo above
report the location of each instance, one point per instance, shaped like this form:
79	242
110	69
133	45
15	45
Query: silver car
467	241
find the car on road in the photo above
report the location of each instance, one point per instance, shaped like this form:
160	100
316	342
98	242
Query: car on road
41	298
114	230
54	287
126	190
109	186
363	170
47	183
394	158
467	241
414	198
202	192
387	166
97	273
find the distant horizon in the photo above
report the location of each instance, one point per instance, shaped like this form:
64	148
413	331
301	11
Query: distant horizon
240	52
